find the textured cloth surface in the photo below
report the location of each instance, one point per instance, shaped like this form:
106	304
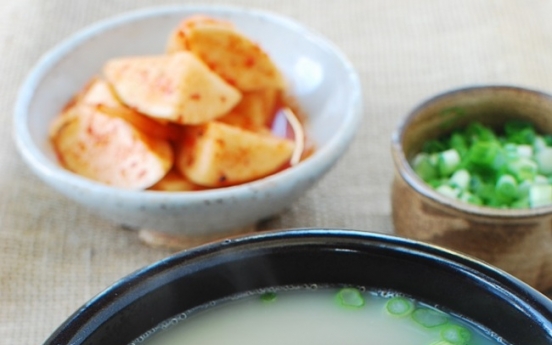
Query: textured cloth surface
55	255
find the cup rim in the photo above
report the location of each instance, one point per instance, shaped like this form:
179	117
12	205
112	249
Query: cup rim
421	187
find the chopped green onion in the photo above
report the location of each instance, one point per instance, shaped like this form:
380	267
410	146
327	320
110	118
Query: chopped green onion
506	188
456	335
521	203
448	191
434	159
519	132
540	179
437	182
477	132
539	143
523	189
448	162
523	168
429	318
544	160
433	146
540	195
424	168
483	153
478	166
399	306
483	189
268	297
460	179
524	151
511	151
459	143
470	198
547	139
350	297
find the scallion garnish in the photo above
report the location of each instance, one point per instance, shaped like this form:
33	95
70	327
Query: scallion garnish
456	335
399	306
510	169
268	297
350	297
429	318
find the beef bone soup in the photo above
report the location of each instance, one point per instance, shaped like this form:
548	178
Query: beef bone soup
347	316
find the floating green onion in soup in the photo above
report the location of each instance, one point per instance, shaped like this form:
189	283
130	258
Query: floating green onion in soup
399	306
312	316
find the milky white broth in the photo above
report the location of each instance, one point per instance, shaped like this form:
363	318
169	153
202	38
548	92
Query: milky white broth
304	317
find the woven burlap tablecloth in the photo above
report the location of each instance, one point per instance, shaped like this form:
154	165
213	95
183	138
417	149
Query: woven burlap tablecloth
55	254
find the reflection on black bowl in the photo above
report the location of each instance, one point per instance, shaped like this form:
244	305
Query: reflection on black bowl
137	303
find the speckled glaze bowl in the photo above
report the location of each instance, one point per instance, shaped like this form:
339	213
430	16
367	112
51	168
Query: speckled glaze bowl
320	77
518	241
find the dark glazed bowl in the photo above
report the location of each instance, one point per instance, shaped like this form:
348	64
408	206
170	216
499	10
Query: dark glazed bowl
137	303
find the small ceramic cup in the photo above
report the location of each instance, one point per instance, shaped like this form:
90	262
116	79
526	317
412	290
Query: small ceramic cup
518	241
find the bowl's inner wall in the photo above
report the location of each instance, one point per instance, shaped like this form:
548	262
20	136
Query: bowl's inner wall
140	304
490	106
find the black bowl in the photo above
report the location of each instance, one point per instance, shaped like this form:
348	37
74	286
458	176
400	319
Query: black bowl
479	292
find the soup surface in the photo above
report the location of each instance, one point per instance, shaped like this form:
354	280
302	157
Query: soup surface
322	317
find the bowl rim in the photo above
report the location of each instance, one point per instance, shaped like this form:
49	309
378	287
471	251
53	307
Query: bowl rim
421	187
320	160
141	282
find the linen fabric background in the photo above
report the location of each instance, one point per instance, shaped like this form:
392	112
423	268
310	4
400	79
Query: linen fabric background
55	255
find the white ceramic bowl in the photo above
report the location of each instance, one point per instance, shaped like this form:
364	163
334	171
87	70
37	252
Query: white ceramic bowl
321	79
